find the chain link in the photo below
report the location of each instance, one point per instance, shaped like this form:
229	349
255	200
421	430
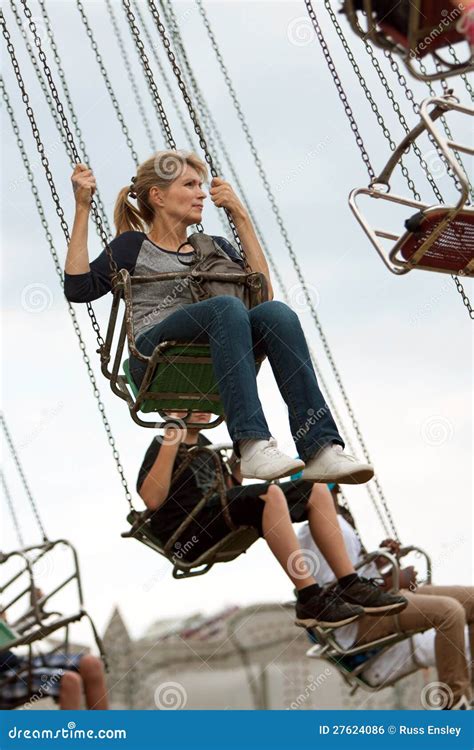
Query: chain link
463	76
49	238
340	89
286	239
369	97
11	508
24	482
130	75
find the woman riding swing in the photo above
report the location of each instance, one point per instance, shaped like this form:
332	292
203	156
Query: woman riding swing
152	238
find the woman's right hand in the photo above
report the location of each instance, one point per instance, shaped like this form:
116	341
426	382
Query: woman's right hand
83	185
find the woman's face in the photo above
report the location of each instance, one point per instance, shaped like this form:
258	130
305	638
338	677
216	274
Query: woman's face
183	200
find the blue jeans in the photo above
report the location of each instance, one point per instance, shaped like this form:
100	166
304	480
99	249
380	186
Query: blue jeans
236	336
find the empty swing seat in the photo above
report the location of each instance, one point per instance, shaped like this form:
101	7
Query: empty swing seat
452	251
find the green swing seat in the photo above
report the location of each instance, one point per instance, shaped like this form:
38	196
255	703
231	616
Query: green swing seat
176	384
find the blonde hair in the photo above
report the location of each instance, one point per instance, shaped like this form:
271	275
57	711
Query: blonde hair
160	170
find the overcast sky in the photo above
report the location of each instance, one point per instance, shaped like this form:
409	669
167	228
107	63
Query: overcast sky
402	345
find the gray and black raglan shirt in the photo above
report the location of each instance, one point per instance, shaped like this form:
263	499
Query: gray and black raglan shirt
152	302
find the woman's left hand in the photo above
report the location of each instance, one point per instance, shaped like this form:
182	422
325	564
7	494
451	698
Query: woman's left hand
223	196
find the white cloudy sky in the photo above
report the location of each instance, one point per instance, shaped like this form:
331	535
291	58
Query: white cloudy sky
402	345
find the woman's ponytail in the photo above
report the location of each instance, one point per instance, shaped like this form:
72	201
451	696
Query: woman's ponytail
126	216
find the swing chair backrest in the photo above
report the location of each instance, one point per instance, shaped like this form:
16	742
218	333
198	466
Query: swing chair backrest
179	375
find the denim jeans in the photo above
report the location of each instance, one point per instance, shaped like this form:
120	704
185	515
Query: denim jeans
236	335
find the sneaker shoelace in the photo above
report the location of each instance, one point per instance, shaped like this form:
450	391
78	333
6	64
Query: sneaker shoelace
376	582
271	449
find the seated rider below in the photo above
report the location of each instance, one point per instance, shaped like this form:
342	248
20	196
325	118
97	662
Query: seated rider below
269	508
64	677
447	609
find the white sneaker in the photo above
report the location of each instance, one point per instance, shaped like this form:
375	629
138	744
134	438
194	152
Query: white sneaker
269	463
331	464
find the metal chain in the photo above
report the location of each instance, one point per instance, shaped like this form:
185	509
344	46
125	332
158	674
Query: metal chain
340	89
168	135
463	76
369	97
72	313
416	108
195	120
107	82
24	482
287	241
11	508
74	119
160	66
130	75
49	101
41	149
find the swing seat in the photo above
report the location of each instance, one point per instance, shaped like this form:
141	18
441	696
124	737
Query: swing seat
181	385
412	28
234	544
452	251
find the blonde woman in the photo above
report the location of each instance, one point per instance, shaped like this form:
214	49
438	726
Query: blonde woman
152	217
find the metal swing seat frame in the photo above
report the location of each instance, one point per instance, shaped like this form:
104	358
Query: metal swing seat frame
431	27
237	541
327	647
36	623
442	240
179	374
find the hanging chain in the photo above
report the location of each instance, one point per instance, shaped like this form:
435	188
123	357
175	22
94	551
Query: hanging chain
57	264
168	135
288	244
106	78
152	46
19	467
11	508
369	97
130	75
85	156
49	101
340	89
41	150
463	76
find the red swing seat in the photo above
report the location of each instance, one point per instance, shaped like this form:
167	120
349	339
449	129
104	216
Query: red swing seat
452	251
